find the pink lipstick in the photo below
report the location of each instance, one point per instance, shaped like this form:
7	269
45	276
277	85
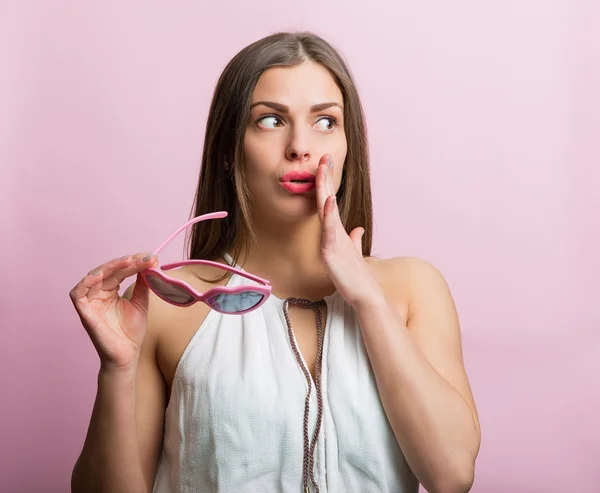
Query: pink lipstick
298	181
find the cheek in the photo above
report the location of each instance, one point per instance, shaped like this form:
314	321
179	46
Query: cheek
258	154
259	164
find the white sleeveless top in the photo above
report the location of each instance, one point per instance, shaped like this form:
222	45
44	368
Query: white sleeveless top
234	422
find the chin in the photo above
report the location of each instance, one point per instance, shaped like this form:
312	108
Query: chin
289	210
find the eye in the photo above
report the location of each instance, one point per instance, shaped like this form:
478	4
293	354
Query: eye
326	123
270	121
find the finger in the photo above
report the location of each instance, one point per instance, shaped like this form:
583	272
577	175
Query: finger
330	226
104	272
321	185
107	271
79	294
329	175
356	236
118	270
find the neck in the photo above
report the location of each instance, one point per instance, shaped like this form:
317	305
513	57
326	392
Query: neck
289	255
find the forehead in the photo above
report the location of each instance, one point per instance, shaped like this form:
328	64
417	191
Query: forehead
303	85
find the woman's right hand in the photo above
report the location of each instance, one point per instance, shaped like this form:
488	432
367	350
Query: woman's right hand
117	326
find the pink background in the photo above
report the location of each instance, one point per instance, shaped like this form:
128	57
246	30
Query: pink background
484	128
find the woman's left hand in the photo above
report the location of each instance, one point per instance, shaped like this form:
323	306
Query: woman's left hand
342	253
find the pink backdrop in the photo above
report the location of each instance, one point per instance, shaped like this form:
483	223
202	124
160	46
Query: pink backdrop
484	128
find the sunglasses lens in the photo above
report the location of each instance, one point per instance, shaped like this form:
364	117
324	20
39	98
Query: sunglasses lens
167	291
235	302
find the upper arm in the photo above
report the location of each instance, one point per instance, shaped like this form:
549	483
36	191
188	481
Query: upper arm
150	397
434	325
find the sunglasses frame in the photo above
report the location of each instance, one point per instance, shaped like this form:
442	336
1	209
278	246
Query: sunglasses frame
264	288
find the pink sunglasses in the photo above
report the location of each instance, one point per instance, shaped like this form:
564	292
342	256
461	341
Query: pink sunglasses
237	300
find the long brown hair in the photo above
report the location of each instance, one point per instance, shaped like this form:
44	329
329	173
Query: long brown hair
223	187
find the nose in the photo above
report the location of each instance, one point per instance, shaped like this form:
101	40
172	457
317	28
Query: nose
298	148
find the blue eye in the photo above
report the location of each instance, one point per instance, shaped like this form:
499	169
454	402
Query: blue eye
270	121
330	123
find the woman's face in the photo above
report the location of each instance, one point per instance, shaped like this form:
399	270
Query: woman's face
297	116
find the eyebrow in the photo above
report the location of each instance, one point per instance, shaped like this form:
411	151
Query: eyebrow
285	109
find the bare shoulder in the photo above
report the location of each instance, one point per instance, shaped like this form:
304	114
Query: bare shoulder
404	268
409	280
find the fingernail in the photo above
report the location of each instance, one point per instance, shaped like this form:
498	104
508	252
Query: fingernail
94	272
146	258
124	257
330	162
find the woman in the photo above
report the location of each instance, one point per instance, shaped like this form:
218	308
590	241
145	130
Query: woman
348	377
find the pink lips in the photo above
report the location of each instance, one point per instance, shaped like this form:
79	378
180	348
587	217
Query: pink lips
298	181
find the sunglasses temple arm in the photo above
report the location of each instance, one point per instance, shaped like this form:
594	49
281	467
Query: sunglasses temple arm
220	266
244	274
211	215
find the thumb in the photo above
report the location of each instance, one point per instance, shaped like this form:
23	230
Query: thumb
356	236
140	295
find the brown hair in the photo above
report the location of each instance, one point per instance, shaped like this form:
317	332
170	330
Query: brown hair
223	188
